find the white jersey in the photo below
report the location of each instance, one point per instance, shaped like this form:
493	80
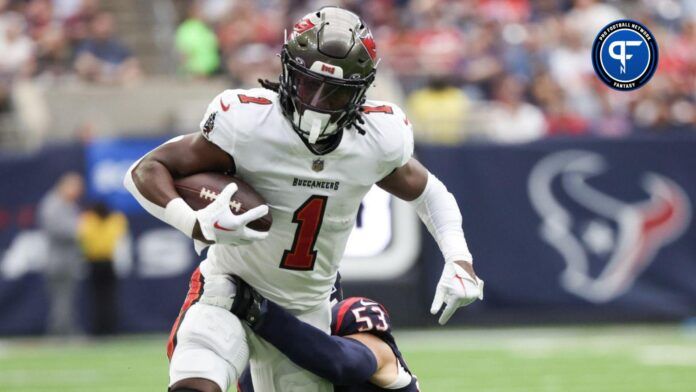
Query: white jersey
314	199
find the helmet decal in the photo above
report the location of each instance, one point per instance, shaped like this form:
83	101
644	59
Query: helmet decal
369	44
327	69
302	26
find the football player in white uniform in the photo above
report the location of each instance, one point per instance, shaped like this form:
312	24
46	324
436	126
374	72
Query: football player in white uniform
312	146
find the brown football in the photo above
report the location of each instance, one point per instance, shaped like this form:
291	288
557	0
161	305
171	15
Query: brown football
201	189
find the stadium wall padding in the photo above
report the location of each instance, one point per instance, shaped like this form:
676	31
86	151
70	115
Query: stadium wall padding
611	237
561	230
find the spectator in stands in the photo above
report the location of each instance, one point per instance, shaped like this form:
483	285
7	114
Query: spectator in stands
561	120
477	42
613	120
438	112
248	38
103	58
54	55
253	62
76	25
65	9
99	232
482	65
512	120
16	54
58	216
16	47
215	10
197	44
39	17
589	16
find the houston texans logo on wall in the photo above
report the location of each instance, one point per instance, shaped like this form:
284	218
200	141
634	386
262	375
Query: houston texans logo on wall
605	242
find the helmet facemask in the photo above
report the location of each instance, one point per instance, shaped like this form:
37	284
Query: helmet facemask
329	61
321	104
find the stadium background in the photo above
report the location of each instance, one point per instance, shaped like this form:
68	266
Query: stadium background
497	91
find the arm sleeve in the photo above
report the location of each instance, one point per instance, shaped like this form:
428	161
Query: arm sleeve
438	210
342	361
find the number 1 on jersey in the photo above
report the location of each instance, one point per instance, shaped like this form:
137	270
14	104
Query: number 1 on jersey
302	255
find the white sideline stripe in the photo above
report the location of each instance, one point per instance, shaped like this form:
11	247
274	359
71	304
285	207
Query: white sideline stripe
534	341
611	332
19	377
667	355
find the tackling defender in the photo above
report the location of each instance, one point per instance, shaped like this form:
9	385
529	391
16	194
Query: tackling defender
312	146
360	355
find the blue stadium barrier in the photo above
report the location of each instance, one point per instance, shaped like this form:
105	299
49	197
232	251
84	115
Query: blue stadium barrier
576	230
561	230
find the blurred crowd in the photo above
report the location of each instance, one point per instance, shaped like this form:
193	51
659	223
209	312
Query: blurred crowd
500	70
47	39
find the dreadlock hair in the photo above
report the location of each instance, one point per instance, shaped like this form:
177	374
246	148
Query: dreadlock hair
268	85
356	122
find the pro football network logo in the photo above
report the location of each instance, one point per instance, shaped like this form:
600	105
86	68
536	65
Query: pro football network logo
624	55
605	242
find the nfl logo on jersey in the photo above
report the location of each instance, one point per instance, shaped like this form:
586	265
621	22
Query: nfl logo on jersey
318	165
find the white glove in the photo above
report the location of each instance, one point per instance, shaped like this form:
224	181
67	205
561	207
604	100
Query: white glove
220	225
456	288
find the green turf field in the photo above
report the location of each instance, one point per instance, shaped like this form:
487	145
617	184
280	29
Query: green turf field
593	359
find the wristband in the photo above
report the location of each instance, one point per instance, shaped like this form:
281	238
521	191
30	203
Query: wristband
180	216
438	209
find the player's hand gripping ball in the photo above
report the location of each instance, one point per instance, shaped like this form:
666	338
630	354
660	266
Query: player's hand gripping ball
219	224
228	210
455	289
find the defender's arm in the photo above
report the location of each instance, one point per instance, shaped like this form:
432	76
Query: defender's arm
387	368
340	360
438	209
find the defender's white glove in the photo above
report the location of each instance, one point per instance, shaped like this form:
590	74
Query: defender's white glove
220	225
456	288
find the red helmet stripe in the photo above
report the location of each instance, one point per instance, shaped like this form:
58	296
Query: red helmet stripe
370	46
302	26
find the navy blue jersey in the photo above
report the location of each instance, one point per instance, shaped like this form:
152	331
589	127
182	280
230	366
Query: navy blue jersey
363	315
351	316
244	384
